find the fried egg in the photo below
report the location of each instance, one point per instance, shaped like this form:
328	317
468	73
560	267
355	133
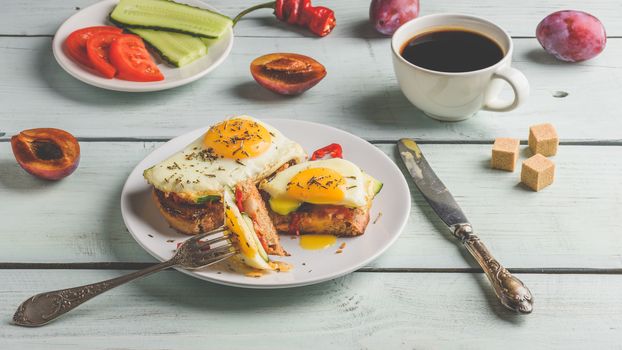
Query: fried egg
229	152
240	225
332	181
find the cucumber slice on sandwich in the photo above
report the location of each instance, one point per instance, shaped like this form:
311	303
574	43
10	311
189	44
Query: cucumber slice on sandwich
374	185
207	199
252	252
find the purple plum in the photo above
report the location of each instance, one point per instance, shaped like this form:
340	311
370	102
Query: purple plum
388	15
572	36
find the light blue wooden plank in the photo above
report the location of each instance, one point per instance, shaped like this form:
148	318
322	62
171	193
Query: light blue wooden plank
519	18
359	94
573	223
360	311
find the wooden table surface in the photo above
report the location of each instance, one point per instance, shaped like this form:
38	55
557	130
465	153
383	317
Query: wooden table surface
423	293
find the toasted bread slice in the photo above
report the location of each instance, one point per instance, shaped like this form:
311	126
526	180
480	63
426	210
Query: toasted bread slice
323	219
256	209
186	217
191	218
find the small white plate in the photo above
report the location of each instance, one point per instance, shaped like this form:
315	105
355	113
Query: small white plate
151	231
97	15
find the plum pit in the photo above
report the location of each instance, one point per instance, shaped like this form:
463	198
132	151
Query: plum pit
46	153
287	73
46	150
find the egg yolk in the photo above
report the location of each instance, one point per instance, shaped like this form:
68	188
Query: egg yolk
317	186
237	139
235	226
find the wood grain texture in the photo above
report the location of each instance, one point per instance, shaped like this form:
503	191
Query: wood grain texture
573	223
359	311
360	94
519	18
572	226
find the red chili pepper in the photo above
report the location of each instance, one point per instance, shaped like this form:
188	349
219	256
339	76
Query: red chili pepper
334	150
319	20
238	199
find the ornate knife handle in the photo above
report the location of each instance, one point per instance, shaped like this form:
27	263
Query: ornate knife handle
45	307
511	291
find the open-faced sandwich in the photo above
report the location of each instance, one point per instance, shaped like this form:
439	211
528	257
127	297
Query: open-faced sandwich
331	196
246	175
237	153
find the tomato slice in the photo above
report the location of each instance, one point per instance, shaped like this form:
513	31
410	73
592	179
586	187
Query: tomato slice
97	50
75	44
238	199
132	60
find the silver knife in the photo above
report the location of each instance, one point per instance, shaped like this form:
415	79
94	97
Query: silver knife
512	293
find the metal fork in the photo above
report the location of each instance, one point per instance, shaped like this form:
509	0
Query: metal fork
194	253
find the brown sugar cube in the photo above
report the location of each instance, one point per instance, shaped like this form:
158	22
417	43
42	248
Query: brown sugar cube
543	139
537	172
504	154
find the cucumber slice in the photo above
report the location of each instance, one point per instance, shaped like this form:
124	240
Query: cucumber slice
175	48
207	199
170	16
208	41
374	185
260	250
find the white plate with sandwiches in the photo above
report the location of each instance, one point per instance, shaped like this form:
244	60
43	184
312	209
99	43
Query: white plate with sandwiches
296	221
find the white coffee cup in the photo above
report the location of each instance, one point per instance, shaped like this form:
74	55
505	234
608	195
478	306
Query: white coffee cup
457	96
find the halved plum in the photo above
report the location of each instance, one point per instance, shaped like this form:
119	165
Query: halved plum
46	153
287	73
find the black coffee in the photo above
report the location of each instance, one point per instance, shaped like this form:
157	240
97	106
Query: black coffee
452	50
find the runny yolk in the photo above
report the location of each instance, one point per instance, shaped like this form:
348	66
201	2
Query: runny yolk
317	186
316	242
237	139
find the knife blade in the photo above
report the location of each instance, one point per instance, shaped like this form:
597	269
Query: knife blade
510	291
430	186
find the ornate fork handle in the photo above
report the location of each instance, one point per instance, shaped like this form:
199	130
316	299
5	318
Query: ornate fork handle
511	291
45	307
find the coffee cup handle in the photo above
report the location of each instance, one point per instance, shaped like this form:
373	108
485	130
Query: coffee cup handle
519	84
